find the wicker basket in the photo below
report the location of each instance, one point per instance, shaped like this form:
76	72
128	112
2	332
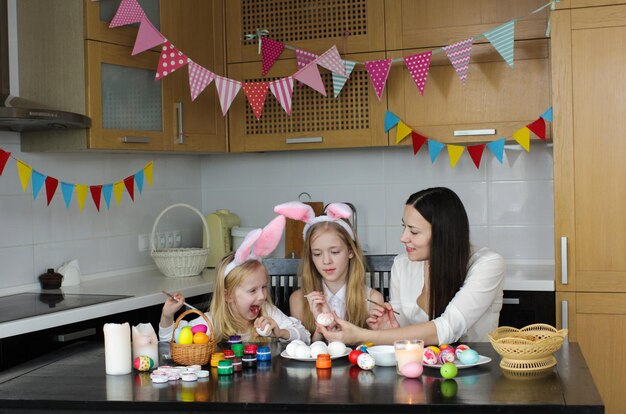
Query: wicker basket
180	262
528	349
193	354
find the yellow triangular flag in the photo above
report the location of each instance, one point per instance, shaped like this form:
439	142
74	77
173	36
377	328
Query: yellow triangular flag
24	171
522	136
118	190
402	130
81	195
147	171
455	151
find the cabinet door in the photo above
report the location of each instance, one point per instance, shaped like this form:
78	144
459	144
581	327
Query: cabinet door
354	119
354	26
129	110
196	28
431	23
98	15
494	96
589	50
572	4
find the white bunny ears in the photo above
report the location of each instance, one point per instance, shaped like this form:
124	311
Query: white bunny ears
257	244
335	212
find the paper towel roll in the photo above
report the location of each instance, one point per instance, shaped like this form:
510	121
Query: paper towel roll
117	351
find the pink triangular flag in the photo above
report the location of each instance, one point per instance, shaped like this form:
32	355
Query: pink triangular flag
227	89
199	79
147	37
170	60
378	71
310	76
256	92
271	50
283	90
332	61
303	58
459	55
418	66
128	12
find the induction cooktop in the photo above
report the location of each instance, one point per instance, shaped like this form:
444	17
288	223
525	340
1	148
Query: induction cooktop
25	305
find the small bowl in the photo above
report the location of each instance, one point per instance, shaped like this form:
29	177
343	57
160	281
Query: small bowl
384	355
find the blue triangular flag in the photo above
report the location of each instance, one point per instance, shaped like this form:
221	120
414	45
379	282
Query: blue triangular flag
497	147
390	121
339	80
107	190
547	115
38	180
68	190
434	148
139	180
502	38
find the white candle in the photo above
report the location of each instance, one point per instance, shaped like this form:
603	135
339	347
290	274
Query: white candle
145	342
117	353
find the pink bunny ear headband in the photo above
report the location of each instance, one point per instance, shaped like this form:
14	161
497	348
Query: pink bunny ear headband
335	212
257	244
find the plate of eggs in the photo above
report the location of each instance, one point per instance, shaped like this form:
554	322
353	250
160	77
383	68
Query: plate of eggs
462	356
300	351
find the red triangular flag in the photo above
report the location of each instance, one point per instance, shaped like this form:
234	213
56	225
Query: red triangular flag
96	191
418	140
539	128
256	93
270	50
476	152
170	59
129	183
51	186
4	157
128	12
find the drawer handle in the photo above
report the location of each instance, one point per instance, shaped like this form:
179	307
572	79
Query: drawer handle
510	301
75	335
135	140
471	132
304	140
180	135
564	260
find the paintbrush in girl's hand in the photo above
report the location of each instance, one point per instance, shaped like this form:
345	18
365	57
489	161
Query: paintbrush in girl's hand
382	306
184	303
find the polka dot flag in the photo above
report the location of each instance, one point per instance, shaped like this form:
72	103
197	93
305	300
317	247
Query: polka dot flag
170	60
378	71
256	93
270	50
128	12
418	66
459	55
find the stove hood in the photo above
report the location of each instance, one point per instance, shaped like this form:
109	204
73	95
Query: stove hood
17	114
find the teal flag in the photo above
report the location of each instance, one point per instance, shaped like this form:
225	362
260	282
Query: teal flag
502	38
38	180
391	121
339	80
107	190
68	190
497	147
434	148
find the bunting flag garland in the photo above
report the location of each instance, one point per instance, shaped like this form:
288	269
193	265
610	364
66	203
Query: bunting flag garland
4	157
128	12
147	37
81	195
256	93
24	172
227	89
502	38
147	170
378	71
271	50
339	80
310	76
139	181
37	180
476	151
418	66
199	79
107	190
303	58
332	61
170	59
459	55
129	183
96	191
118	191
68	190
283	90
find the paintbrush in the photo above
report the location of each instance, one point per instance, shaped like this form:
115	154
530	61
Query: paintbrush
382	306
184	303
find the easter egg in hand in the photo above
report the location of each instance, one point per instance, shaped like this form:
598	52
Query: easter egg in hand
448	370
354	356
412	369
186	336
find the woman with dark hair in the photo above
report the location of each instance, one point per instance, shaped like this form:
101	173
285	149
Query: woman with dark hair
443	289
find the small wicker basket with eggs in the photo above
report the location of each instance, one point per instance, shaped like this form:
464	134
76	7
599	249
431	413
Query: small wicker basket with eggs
196	350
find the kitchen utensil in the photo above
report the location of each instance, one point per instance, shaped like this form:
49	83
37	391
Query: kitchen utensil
184	303
220	224
50	279
293	231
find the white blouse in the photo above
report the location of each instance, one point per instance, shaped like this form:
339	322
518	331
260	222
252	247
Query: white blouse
471	314
337	301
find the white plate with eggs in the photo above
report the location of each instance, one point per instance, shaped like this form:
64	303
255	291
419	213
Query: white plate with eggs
284	354
299	351
481	361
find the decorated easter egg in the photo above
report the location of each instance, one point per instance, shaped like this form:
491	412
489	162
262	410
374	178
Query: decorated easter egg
447	346
143	363
412	369
460	349
266	331
448	370
199	328
435	349
354	355
186	336
336	348
469	357
365	361
429	357
362	347
446	355
325	318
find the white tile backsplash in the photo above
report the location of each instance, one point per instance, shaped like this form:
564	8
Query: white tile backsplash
509	206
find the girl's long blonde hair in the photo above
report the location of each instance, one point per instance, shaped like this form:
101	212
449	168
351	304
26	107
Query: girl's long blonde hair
311	279
225	320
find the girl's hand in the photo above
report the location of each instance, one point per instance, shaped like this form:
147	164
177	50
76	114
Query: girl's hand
343	331
275	332
172	305
382	318
317	303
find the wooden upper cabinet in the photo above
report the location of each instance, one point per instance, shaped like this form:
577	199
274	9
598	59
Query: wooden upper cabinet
431	23
574	4
494	95
354	26
354	119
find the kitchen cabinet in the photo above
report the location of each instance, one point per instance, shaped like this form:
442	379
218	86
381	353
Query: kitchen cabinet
494	96
354	119
588	56
411	24
521	308
129	110
573	4
353	26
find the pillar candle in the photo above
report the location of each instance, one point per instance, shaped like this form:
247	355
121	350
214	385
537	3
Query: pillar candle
145	342
117	353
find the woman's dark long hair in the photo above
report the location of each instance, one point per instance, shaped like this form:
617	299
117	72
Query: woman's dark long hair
449	245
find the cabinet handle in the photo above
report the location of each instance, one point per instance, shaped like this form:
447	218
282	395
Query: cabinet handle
510	301
135	140
75	335
304	140
180	135
564	314
472	132
564	260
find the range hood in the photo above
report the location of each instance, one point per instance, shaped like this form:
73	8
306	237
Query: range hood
17	114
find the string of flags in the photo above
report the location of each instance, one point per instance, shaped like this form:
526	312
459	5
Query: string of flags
522	136
171	59
38	180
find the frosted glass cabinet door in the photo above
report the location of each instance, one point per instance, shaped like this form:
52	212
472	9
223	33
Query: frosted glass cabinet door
98	15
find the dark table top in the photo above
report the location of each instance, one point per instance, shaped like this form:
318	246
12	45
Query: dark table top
75	379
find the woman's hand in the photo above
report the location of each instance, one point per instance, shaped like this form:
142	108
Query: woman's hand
343	331
262	321
382	318
317	303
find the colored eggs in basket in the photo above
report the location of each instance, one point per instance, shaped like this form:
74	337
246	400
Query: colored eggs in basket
200	338
186	336
199	328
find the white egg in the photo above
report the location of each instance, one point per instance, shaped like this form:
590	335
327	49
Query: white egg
291	348
325	318
303	351
266	331
336	348
298	341
318	348
316	343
